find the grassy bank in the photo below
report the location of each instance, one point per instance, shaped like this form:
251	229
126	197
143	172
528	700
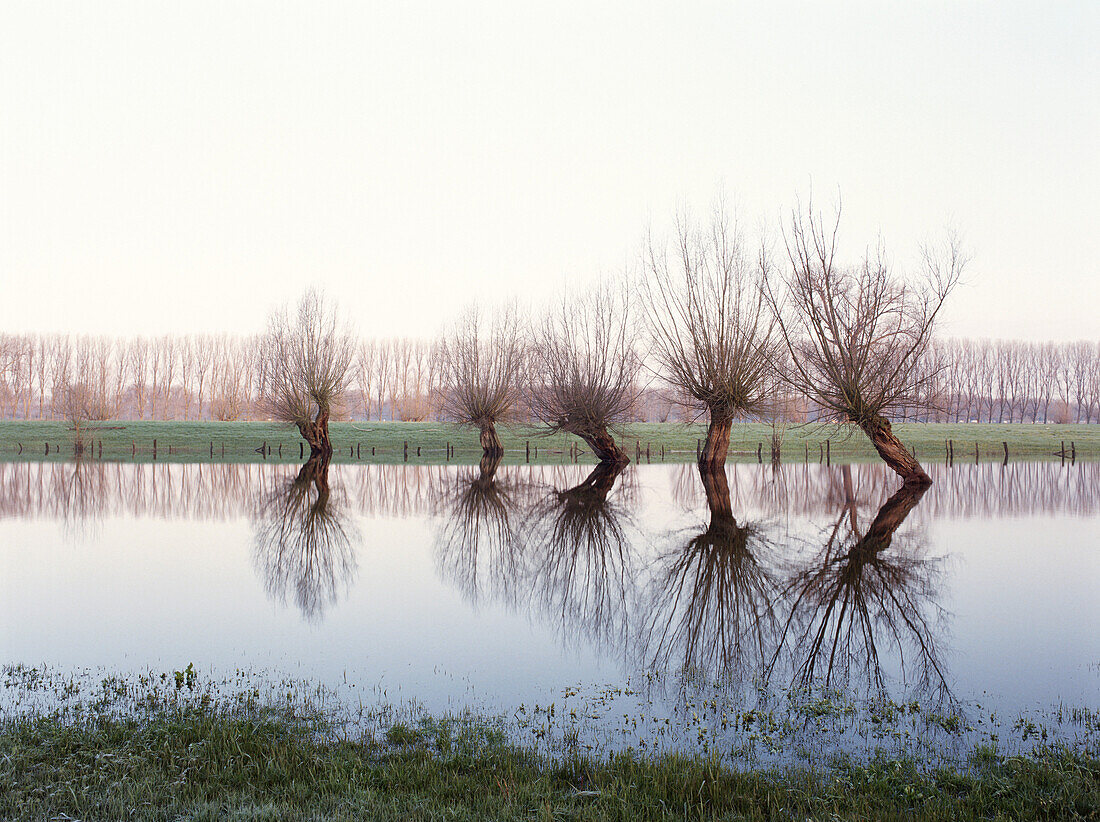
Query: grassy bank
385	442
196	761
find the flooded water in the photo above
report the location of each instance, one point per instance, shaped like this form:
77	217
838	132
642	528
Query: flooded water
637	600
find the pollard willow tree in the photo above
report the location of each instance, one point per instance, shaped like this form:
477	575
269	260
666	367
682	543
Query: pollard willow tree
858	337
483	367
305	359
712	335
585	369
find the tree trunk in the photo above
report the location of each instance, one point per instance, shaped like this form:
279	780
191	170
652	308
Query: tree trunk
490	442
604	447
315	433
717	445
893	453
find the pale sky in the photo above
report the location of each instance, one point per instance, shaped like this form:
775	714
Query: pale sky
188	166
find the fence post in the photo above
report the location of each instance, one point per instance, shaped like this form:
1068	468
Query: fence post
1005	444
828	456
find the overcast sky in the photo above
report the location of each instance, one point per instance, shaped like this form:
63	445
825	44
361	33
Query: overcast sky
188	166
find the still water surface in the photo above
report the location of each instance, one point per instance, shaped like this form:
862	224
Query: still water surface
523	586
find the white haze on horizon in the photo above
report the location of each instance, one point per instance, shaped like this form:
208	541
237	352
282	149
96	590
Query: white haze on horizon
186	167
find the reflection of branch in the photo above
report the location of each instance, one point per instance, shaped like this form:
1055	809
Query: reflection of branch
711	604
475	543
79	492
859	593
302	542
579	560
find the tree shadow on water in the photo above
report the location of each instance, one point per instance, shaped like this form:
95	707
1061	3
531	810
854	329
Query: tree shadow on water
303	542
867	593
578	560
709	610
475	543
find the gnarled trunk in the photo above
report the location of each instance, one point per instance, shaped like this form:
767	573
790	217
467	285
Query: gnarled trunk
604	447
893	453
717	445
315	433
490	442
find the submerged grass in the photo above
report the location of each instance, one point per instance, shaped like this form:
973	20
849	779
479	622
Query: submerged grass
191	441
201	763
179	753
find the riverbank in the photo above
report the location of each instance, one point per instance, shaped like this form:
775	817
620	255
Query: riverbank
434	443
195	760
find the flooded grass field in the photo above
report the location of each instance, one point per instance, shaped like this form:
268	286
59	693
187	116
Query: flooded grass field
770	614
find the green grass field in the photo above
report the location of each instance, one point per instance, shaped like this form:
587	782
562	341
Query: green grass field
354	441
195	758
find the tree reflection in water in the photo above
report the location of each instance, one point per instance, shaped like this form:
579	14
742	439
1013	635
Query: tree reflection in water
303	542
579	563
864	594
475	544
710	608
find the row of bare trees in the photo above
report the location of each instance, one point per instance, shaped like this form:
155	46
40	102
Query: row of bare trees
1014	381
214	377
731	328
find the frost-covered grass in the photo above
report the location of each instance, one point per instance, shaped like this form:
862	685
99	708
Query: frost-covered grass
181	441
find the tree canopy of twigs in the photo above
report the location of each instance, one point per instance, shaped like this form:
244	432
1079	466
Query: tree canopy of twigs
858	336
483	365
586	369
304	365
712	334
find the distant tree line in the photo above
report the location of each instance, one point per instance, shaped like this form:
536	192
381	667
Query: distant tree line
214	377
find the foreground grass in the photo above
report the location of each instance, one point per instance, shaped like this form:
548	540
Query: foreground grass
198	762
385	442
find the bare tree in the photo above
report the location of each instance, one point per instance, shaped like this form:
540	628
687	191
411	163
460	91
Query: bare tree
482	372
857	336
305	363
586	370
713	336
